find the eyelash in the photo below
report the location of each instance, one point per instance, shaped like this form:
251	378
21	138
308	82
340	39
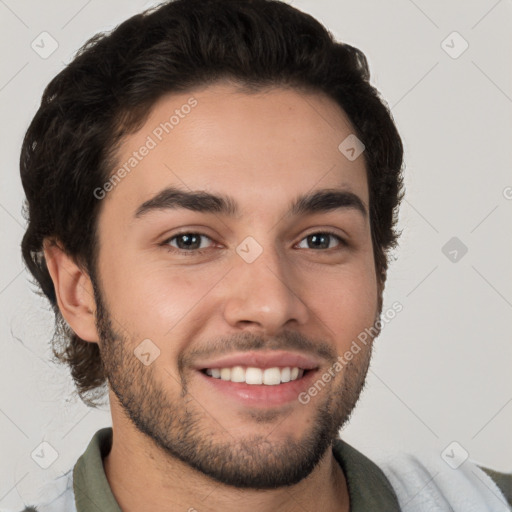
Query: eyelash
193	252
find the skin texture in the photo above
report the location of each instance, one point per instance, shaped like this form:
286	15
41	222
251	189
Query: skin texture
177	441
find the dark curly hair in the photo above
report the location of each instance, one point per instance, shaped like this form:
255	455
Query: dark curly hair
107	92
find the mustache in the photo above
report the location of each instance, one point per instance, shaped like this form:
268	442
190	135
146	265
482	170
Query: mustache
247	341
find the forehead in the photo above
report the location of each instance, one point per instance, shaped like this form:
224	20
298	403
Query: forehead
256	146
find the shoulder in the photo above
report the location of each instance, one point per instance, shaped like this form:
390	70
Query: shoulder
55	496
424	481
502	480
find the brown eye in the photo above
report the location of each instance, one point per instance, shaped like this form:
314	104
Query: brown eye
187	242
321	240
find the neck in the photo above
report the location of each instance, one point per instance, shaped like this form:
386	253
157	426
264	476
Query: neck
143	478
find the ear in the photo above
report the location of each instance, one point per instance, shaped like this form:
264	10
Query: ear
74	291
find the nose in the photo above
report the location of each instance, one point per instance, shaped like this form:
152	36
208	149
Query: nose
264	294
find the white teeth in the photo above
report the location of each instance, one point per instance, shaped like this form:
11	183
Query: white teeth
225	373
251	375
272	376
237	374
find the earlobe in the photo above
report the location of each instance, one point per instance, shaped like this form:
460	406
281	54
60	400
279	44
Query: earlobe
73	289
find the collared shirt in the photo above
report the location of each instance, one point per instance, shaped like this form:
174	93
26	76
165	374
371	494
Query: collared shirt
87	488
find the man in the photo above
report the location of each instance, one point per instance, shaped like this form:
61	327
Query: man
212	190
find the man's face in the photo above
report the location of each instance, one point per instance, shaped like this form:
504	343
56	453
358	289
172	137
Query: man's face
183	292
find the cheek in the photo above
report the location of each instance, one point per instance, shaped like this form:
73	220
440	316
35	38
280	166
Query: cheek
346	302
151	299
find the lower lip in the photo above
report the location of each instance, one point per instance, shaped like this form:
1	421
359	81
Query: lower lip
261	395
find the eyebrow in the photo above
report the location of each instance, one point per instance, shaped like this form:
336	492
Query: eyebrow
318	201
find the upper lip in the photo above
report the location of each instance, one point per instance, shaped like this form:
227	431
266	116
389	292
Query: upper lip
259	359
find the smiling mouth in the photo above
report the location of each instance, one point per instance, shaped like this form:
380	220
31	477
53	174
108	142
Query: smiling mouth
250	375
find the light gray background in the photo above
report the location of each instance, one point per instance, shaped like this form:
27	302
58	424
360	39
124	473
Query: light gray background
441	368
